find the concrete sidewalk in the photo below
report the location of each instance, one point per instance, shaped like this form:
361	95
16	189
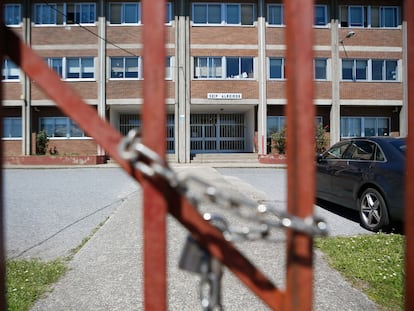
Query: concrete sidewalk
106	274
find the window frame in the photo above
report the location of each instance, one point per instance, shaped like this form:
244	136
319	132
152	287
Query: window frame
60	122
8	122
58	14
16	16
8	68
349	122
282	68
124	60
315	71
204	17
122	12
270	19
325	9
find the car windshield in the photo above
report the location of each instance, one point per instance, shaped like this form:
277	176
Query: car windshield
400	146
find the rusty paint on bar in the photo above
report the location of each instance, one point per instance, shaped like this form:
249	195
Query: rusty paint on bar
153	136
300	149
3	303
409	208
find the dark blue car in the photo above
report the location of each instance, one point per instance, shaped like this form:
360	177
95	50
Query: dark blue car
365	174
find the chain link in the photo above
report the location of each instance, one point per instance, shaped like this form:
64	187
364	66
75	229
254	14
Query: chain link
265	217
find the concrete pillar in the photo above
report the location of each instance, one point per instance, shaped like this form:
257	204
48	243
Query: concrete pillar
26	86
101	72
404	108
335	115
182	83
262	79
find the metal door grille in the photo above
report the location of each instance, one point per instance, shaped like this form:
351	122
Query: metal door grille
128	122
217	133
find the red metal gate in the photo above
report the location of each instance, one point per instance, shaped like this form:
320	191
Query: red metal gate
160	198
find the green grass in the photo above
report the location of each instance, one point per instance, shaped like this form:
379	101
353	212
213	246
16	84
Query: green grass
372	263
27	280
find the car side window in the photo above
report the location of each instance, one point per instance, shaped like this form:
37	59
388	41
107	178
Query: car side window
379	155
336	151
360	150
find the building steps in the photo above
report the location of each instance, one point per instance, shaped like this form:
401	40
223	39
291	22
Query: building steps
225	158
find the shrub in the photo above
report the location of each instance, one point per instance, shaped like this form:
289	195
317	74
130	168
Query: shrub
41	142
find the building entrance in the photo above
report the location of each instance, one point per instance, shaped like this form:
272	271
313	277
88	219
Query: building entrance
216	133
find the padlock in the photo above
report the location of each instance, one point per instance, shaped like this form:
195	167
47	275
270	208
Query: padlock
193	256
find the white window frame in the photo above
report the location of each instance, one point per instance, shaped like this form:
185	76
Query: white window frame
223	18
355	68
396	10
282	68
360	130
10	71
58	13
84	69
270	8
210	65
325	9
66	123
325	67
13	14
124	60
9	123
123	10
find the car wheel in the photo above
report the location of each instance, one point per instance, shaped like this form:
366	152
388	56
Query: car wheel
373	210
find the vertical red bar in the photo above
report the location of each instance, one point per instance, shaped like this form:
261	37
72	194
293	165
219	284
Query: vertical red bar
3	304
153	136
409	196
300	149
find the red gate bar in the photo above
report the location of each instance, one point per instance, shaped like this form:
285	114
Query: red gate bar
300	112
106	136
3	303
154	136
409	207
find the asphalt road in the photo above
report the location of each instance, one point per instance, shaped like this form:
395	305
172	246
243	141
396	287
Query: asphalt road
273	181
48	212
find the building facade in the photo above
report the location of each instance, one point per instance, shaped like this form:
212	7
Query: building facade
225	75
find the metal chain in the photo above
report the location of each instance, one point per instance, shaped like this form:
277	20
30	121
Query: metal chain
266	217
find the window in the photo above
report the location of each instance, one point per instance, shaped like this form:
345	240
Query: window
239	67
125	13
169	16
56	63
60	127
10	70
321	15
354	69
80	68
364	126
356	16
320	69
384	70
223	67
168	72
372	70
80	13
125	67
12	127
275	14
360	150
64	13
276	68
208	68
73	67
223	13
390	17
370	16
275	124
12	14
